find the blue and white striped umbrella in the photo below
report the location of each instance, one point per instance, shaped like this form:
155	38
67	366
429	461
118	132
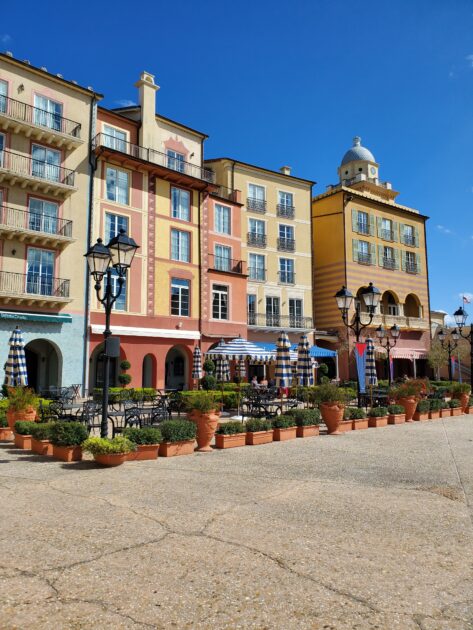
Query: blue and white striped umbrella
283	371
197	372
15	367
240	348
222	369
241	368
304	363
370	370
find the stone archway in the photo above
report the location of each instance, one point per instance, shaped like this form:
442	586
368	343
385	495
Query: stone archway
43	364
177	368
148	376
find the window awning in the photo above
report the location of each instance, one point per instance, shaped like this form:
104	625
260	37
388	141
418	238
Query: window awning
37	317
404	353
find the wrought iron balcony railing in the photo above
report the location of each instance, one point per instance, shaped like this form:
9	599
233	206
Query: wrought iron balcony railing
286	244
412	267
26	166
257	274
387	235
256	205
35	116
362	227
153	156
33	284
273	320
389	263
256	240
365	259
407	239
227	193
287	277
228	265
24	220
288	212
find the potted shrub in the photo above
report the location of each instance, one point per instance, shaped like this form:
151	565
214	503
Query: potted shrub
461	391
445	411
230	435
331	400
22	405
66	438
378	417
146	440
23	434
422	410
6	434
435	406
307	421
123	378
40	438
178	437
109	452
258	431
396	414
469	409
284	428
357	417
407	394
205	412
455	407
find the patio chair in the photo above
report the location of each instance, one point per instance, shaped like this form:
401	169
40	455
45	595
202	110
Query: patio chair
90	415
131	417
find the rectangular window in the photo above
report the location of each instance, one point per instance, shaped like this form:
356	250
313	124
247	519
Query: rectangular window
219	301
47	113
222	219
180	204
113	224
389	261
40	272
175	161
180	245
120	303
256	268
295	313
363	222
273	312
180	292
411	262
2	146
3	96
256	192
46	163
114	138
117	185
409	235
43	216
364	252
285	199
286	271
256	198
251	308
256	234
387	232
223	257
286	232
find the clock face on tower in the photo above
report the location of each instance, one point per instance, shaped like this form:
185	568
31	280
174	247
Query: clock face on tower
372	170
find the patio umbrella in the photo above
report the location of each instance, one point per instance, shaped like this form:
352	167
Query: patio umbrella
304	363
283	372
370	369
15	367
222	369
240	348
241	368
197	372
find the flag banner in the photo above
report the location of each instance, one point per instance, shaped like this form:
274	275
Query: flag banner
391	368
466	300
360	358
453	362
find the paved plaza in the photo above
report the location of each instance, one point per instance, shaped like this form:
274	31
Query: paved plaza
371	529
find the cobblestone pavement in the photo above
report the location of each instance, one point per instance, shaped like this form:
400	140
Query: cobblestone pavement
371	529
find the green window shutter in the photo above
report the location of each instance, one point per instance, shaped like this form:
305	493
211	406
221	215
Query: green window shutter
396	258
355	249
395	231
380	255
418	263
380	225
373	253
354	220
403	260
401	232
416	231
372	224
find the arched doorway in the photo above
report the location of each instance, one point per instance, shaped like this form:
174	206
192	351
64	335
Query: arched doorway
97	371
412	306
176	369
148	378
43	364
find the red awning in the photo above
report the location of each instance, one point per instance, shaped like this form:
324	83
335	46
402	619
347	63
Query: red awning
404	353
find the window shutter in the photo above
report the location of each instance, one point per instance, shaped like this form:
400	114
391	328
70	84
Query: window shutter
380	225
395	231
354	220
373	253
401	232
396	258
355	249
403	260
372	224
380	255
418	263
416	231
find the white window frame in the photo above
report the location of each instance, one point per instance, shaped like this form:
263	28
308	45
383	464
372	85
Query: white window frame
250	267
220	228
178	214
180	246
116	189
116	218
221	293
112	140
175	159
45	117
280	198
218	258
263	188
180	290
3	96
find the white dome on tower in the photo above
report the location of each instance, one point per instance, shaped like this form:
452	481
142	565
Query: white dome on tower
357	152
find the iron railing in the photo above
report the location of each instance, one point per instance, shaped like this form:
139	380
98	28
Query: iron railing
287	277
279	321
256	205
255	239
409	240
257	274
363	228
365	259
387	235
285	211
27	166
226	193
25	220
39	117
222	263
412	267
153	156
286	244
389	263
33	284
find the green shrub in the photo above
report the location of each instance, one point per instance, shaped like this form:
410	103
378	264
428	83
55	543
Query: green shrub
423	406
20	398
124	379
305	417
42	430
104	446
454	403
202	401
178	430
208	382
284	422
378	412
330	393
230	428
354	413
24	428
396	409
120	393
147	435
230	398
125	365
406	390
209	366
435	404
460	388
444	404
68	433
3	422
258	424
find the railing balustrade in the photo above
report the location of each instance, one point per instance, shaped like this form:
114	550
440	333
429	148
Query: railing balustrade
40	117
27	166
26	220
33	284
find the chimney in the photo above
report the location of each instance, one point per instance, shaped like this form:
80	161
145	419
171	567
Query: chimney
147	93
285	170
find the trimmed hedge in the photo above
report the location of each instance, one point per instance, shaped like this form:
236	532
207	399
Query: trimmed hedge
147	435
68	433
23	427
454	403
284	422
42	430
423	406
378	412
178	430
396	409
104	446
258	424
230	428
435	404
354	413
305	417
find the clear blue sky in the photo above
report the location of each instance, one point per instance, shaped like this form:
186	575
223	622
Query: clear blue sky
276	83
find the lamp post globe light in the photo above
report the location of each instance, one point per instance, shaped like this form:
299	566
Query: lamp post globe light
387	342
460	316
102	259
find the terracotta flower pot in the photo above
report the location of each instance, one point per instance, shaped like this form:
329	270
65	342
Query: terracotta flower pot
23	441
421	416
308	431
67	453
206	427
434	415
345	426
469	409
409	405
230	441
143	452
456	411
6	434
26	415
375	423
396	418
111	459
281	435
42	447
445	413
254	438
171	449
464	400
359	423
332	415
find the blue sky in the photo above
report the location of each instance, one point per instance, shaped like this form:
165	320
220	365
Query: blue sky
278	83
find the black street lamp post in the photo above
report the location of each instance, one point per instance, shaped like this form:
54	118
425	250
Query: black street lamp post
344	299
387	344
117	255
460	318
450	346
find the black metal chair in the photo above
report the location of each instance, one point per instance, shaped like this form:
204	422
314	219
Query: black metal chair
131	417
90	415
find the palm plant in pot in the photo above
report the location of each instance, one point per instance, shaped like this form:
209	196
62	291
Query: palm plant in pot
331	399
109	452
230	435
67	438
147	442
22	405
205	412
461	391
307	421
407	395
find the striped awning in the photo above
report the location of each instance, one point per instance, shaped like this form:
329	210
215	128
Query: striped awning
15	367
240	348
197	372
403	353
283	371
304	363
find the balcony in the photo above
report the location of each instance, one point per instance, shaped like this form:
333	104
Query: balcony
287	277
222	264
29	289
286	244
389	263
36	228
363	228
412	267
230	194
387	235
256	274
409	240
39	124
256	240
171	167
288	212
256	205
16	168
365	259
271	320
405	323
